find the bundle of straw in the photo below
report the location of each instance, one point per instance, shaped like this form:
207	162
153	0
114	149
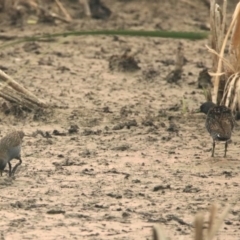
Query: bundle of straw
226	69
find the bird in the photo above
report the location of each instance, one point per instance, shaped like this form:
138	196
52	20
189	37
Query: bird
10	148
219	123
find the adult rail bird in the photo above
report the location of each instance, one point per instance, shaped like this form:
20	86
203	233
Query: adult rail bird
10	148
219	123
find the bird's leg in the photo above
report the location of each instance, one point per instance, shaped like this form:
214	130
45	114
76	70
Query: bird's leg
213	148
10	169
226	145
16	166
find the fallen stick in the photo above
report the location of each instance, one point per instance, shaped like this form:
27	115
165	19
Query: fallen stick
67	15
8	81
86	6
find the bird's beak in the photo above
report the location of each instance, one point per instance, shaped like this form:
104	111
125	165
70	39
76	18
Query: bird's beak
196	111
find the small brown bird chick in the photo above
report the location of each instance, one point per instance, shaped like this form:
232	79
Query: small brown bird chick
10	148
219	123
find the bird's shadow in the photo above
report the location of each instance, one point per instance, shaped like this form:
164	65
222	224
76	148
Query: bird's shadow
220	163
219	159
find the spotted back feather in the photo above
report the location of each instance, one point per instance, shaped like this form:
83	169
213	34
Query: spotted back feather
10	147
220	123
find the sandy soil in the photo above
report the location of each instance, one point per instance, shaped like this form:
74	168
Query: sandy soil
124	150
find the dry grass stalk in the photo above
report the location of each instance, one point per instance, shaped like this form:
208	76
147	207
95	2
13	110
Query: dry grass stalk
217	30
217	224
230	89
200	232
212	218
236	100
225	61
14	92
235	40
16	98
199	227
233	76
214	224
63	9
227	90
158	233
189	2
53	15
86	6
38	7
220	61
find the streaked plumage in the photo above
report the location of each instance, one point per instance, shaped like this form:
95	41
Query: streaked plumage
219	123
10	148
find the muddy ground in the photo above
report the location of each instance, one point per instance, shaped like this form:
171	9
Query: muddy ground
119	151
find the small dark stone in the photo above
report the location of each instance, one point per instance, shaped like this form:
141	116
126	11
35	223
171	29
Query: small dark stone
73	129
136	181
122	147
125	214
123	63
118	126
57	133
99	10
131	123
113	195
190	189
106	110
55	211
100	206
161	187
17	204
87	132
172	128
174	76
148	123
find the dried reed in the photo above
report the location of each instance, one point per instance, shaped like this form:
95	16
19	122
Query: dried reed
200	231
226	69
13	92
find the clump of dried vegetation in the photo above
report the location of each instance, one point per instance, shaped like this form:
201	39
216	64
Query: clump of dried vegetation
202	230
44	10
225	50
15	93
34	11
